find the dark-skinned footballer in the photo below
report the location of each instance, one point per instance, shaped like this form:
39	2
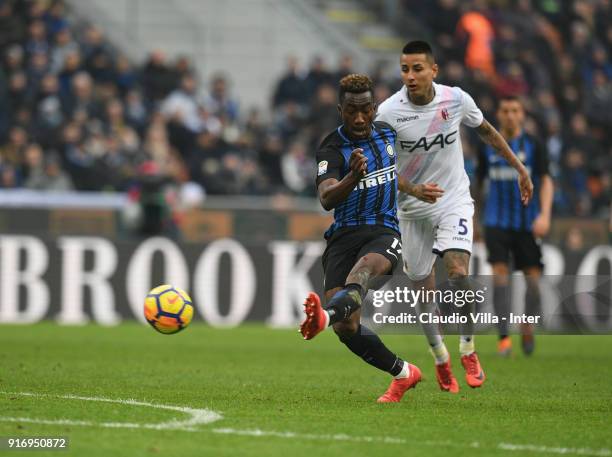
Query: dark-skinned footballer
356	177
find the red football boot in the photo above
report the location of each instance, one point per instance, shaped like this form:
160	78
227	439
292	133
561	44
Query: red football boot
474	375
398	387
446	380
316	318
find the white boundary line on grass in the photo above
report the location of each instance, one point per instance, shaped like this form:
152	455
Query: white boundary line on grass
207	416
198	416
391	440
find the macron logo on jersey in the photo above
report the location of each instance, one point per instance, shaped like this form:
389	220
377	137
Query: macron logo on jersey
399	120
376	178
441	140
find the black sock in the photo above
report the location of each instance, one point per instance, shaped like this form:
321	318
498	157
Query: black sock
501	305
367	345
344	303
532	300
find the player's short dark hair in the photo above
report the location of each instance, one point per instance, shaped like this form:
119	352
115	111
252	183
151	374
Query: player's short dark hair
509	98
419	47
355	84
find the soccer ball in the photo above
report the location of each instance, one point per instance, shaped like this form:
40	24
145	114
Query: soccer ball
168	309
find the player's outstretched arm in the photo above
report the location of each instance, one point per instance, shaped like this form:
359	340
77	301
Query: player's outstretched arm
541	224
428	193
333	192
492	137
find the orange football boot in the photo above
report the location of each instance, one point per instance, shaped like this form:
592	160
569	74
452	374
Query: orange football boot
474	375
504	347
398	387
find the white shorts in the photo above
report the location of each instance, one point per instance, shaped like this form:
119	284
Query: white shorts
424	239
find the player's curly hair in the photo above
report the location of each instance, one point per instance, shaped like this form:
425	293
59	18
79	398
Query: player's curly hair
355	84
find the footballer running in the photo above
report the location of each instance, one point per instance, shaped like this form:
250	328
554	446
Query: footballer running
513	231
357	178
435	207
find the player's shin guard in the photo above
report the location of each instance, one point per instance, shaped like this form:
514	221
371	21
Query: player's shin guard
344	303
466	330
501	304
367	345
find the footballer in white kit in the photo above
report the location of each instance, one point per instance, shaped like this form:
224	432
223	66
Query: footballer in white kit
435	208
429	151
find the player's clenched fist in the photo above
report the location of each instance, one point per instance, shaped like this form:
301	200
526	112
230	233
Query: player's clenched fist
358	163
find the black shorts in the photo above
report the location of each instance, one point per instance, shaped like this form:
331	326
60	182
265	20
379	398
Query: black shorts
347	245
523	246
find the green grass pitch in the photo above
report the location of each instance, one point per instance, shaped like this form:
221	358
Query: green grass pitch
281	396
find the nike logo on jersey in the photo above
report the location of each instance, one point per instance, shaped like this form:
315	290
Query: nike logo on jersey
440	140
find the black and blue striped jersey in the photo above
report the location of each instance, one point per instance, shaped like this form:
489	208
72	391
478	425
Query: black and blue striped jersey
503	206
373	201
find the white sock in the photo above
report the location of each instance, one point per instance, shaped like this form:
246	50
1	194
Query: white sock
466	344
405	371
439	353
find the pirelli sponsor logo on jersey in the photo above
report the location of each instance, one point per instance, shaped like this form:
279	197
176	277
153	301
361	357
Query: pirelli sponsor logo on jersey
441	140
377	178
505	173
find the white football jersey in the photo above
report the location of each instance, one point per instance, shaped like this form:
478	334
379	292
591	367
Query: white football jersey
429	145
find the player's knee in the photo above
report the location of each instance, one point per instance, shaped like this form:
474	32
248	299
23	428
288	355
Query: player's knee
346	329
501	273
457	272
366	264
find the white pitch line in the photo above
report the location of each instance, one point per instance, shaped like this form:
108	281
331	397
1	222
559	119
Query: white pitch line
206	416
392	440
197	416
555	450
311	436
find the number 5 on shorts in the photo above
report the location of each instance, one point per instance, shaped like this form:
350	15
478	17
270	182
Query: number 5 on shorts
463	229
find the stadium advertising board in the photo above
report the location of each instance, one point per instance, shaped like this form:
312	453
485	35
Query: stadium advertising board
76	279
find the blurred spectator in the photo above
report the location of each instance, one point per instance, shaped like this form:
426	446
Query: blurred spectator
157	78
12	152
345	67
75	112
297	168
218	101
12	27
477	31
181	105
64	45
318	74
291	87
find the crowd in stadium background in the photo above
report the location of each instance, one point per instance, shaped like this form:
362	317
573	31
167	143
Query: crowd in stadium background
77	114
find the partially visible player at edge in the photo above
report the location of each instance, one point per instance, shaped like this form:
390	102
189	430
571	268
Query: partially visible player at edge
511	228
356	177
435	207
